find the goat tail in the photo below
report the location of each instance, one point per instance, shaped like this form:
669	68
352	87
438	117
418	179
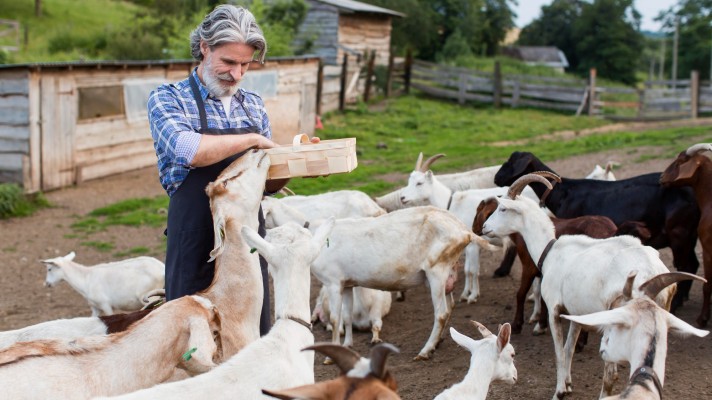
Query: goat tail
484	243
146	299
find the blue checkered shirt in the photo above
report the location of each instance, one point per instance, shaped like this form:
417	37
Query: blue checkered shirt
175	121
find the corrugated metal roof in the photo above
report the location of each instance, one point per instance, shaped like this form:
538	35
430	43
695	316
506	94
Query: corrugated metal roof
126	63
537	54
357	6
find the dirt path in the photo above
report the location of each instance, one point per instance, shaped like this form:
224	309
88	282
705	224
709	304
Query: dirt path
47	234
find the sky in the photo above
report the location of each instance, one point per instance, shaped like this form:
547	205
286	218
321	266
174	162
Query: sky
529	10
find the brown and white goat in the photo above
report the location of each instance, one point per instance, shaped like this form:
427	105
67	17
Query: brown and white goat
693	168
181	334
362	378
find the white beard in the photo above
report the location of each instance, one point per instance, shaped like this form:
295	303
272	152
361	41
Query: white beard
215	83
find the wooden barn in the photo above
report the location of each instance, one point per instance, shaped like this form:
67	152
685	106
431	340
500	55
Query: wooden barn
63	123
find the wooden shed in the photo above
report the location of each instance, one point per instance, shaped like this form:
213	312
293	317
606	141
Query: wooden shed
332	27
63	123
538	55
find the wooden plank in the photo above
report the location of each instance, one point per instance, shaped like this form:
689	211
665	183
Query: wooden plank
542	104
35	182
11	162
451	94
14	146
600	89
13	86
552	95
14	116
14	132
97	155
117	165
14	101
59	115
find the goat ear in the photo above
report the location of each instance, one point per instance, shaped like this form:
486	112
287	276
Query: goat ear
219	232
687	169
317	391
254	240
483	329
682	328
429	175
70	256
201	339
462	340
322	233
602	319
521	165
505	331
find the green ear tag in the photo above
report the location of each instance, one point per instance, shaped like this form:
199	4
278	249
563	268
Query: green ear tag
327	242
189	354
252	250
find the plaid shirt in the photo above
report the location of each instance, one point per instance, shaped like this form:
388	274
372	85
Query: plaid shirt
175	120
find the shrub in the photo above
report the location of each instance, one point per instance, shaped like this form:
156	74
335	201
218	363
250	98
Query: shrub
14	203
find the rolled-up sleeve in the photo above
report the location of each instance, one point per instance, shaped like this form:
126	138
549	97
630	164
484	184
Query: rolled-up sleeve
174	138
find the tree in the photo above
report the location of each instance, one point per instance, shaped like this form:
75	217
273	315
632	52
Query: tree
695	40
555	28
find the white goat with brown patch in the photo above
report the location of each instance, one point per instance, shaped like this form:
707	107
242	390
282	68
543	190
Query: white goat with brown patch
364	252
361	379
581	275
143	356
492	359
636	334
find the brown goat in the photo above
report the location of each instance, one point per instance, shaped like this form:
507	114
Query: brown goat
366	379
595	226
693	168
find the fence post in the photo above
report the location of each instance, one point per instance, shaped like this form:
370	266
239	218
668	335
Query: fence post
461	88
369	76
515	94
592	92
389	75
342	91
408	70
497	85
641	102
694	93
319	86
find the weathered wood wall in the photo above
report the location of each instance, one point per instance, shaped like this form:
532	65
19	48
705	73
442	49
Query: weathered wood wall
319	32
364	33
14	125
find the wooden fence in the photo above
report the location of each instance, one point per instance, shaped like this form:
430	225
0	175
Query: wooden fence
656	100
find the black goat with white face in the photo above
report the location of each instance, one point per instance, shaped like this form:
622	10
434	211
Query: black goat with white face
670	214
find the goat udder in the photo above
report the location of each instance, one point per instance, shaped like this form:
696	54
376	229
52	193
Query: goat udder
450	283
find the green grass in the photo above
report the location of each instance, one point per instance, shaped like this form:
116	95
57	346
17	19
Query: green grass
101	246
68	20
133	252
132	212
15	203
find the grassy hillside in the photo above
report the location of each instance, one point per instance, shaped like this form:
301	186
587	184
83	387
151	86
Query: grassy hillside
63	22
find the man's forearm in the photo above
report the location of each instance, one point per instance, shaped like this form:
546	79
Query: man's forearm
214	148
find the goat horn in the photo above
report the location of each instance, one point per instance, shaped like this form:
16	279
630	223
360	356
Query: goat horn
430	161
483	329
697	148
654	285
379	356
343	357
628	287
419	162
610	165
516	188
287	191
548	174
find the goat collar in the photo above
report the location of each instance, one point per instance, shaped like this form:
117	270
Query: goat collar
449	201
545	253
299	321
542	201
644	373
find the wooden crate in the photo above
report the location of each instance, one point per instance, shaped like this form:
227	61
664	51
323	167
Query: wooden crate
303	158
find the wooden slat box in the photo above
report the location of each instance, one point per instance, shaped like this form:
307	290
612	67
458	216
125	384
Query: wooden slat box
303	158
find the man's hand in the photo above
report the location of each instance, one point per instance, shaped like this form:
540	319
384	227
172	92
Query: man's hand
314	140
262	142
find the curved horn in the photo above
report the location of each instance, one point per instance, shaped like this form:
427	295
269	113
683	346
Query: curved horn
697	148
482	329
610	165
518	185
379	356
419	162
628	287
343	357
287	191
654	285
430	161
548	174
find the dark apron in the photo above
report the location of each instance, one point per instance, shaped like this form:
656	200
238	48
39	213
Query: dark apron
190	224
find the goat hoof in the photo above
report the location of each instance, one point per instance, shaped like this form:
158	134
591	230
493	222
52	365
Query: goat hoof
472	301
376	341
421	357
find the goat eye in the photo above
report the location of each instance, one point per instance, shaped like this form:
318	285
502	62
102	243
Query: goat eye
419	183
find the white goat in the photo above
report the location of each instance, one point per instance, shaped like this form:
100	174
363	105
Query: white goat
479	178
337	204
275	360
109	287
425	187
492	360
636	334
61	329
603	174
369	308
143	356
581	275
364	252
361	379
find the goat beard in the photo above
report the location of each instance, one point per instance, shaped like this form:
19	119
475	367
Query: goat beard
216	83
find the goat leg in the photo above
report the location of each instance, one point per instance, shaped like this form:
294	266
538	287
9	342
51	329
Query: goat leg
505	267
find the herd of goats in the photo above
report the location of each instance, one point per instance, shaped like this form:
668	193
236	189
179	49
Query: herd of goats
587	247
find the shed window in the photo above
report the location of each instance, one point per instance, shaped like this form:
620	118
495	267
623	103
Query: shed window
103	101
136	93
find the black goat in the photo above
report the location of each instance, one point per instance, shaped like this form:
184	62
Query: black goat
670	214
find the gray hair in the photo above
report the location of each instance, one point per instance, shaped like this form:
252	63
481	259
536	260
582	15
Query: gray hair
228	24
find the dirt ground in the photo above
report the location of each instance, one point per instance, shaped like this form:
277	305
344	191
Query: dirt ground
24	300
